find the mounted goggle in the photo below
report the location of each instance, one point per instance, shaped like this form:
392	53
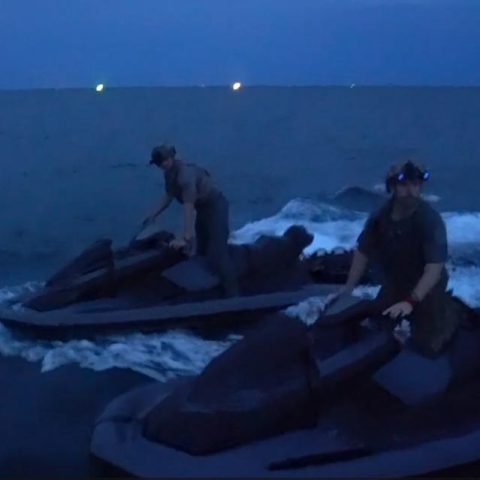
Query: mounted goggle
410	172
402	177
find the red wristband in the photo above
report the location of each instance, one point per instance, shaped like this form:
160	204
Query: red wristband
411	300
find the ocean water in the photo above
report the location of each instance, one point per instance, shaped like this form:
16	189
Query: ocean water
181	352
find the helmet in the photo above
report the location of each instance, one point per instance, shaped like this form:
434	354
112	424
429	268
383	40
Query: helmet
162	153
405	172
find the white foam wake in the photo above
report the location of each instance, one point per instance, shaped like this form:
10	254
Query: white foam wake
331	226
9	294
465	283
173	353
160	356
336	227
309	309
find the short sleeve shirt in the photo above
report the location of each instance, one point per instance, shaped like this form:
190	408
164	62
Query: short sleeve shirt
401	249
189	183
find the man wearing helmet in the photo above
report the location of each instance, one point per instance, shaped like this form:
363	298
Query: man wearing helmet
406	240
205	211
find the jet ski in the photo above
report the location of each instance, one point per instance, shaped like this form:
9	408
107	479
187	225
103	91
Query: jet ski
292	401
149	286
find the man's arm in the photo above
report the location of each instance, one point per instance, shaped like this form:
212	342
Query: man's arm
435	247
188	221
365	247
436	252
431	275
165	201
189	196
357	270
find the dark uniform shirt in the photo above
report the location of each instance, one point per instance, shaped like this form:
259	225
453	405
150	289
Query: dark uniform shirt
189	183
400	249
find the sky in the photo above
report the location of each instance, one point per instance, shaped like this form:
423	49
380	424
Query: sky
79	43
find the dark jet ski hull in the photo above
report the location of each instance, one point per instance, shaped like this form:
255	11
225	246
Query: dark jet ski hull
368	434
100	272
118	441
102	282
150	287
190	314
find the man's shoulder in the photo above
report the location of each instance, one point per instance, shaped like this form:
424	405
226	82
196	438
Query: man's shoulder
186	171
382	211
428	213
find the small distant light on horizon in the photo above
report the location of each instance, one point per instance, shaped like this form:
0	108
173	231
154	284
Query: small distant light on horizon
236	86
353	85
100	87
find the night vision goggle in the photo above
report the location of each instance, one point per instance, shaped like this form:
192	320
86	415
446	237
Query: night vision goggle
409	172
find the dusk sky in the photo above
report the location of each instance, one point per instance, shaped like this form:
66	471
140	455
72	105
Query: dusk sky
78	43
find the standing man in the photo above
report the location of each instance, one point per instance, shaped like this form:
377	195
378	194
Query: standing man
205	211
406	239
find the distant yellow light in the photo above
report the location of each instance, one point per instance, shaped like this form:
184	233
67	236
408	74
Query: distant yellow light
237	86
100	87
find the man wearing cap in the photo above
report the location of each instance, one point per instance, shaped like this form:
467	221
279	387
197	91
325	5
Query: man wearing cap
406	240
205	212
